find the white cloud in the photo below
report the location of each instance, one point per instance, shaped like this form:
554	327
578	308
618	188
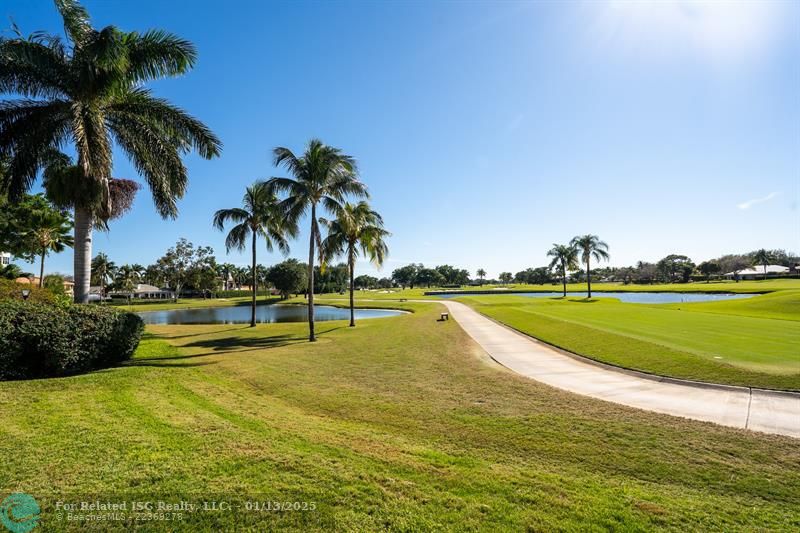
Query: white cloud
750	203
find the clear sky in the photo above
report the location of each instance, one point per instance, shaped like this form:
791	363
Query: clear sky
488	131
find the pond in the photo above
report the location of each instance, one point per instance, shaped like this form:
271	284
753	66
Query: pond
265	314
627	297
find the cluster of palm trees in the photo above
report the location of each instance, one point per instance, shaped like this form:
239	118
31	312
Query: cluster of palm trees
581	248
322	179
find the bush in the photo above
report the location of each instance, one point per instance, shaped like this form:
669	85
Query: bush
40	340
11	290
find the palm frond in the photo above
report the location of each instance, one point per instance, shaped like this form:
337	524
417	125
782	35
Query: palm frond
77	24
158	54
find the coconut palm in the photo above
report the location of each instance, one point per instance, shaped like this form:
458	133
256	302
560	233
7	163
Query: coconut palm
324	176
565	258
103	271
763	257
356	230
126	277
90	92
50	232
262	215
590	246
481	274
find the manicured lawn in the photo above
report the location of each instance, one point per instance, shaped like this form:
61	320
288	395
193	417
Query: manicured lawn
400	423
752	342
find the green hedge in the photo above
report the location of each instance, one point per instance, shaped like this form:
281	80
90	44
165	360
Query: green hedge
11	290
39	340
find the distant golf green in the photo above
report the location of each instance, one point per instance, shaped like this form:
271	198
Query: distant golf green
752	342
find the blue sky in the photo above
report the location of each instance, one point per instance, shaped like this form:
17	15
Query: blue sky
488	131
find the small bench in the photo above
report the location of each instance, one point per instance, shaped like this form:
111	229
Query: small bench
445	316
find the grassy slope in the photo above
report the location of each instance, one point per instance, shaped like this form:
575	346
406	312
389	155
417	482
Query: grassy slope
749	342
398	424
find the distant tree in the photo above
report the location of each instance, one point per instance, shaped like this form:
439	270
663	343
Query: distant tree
103	271
481	274
288	277
733	264
764	258
10	271
365	281
385	283
356	230
260	216
49	231
539	275
506	277
675	267
645	272
708	269
590	247
406	276
125	279
565	258
429	277
179	263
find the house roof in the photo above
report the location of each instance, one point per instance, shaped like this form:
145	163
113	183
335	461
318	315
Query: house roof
771	269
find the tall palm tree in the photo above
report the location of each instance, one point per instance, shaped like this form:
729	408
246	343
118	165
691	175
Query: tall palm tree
565	258
356	229
90	92
103	271
763	257
262	215
590	246
50	233
324	176
481	274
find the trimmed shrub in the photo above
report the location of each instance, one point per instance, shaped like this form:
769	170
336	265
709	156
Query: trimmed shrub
39	340
11	290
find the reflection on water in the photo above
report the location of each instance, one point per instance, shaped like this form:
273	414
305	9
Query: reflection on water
264	314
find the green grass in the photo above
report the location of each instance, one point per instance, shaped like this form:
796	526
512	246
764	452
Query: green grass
398	424
752	342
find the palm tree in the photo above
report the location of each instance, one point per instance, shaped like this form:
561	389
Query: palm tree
50	233
261	215
763	257
565	258
590	246
90	92
10	271
126	277
322	175
103	271
481	274
356	229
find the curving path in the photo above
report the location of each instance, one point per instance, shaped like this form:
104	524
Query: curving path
739	407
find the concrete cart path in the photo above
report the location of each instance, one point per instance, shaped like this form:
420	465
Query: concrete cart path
740	407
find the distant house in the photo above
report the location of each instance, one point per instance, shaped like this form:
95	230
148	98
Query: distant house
144	291
757	272
5	259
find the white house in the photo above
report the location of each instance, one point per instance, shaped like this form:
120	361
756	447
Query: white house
758	272
5	259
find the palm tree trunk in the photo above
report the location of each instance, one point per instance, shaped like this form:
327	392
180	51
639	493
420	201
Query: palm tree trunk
311	337
82	261
253	306
588	279
41	271
564	279
351	264
765	271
